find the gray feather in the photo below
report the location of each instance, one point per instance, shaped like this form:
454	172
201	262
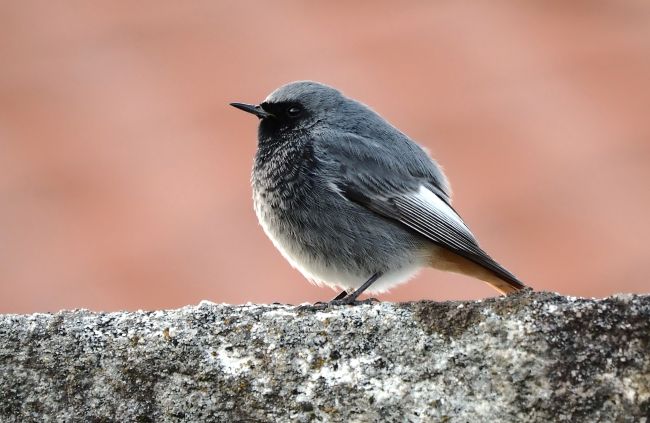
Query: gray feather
387	184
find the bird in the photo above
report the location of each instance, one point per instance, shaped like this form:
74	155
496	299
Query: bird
351	201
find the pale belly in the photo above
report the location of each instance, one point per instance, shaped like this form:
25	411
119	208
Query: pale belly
331	250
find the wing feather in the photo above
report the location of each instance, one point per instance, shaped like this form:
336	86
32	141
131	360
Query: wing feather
410	190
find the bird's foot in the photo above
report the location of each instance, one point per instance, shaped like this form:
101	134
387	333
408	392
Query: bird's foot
319	306
352	301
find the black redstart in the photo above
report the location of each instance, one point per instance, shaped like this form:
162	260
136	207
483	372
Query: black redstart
352	202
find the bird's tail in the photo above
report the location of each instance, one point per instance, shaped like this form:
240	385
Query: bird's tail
488	270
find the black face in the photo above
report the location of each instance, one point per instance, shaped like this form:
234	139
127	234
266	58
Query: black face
285	116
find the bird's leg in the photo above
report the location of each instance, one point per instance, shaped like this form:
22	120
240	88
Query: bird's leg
321	304
343	298
351	298
340	296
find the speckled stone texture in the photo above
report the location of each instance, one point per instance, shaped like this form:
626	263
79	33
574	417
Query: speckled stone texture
530	357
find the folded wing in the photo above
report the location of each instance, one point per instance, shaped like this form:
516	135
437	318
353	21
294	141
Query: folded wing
389	184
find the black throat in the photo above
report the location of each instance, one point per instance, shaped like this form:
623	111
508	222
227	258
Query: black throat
284	165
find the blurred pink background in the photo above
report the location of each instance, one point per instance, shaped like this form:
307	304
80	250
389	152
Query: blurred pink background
125	175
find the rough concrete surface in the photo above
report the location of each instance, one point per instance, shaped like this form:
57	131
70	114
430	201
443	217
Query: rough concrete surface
529	357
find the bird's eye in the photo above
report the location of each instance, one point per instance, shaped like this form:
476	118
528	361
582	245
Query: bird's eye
294	111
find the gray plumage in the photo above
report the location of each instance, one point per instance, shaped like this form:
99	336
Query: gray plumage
345	195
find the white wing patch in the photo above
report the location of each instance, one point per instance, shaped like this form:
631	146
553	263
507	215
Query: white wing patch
440	208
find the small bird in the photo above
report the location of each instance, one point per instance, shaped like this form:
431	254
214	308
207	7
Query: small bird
352	202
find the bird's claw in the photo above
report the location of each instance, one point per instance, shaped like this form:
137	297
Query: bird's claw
352	301
318	306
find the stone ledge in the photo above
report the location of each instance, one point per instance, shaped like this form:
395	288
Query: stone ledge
528	357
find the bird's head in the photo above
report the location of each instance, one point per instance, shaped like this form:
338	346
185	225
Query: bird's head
296	107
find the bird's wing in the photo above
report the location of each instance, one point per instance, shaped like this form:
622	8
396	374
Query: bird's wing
391	187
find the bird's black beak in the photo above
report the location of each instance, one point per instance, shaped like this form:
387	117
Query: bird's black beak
252	109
